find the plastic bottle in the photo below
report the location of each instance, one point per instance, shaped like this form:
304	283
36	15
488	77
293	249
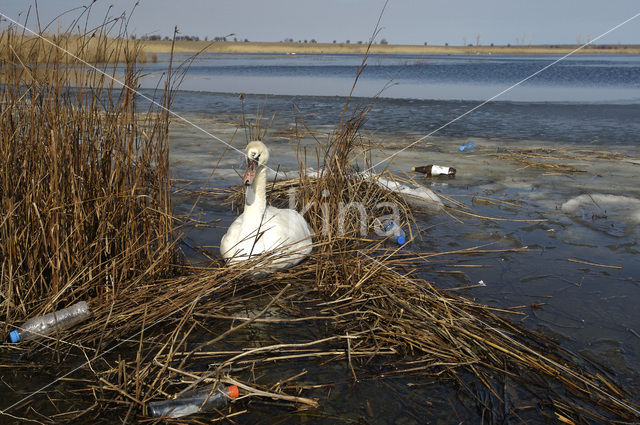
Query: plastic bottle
197	400
435	170
468	146
52	322
391	228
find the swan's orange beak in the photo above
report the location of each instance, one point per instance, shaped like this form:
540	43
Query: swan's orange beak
250	174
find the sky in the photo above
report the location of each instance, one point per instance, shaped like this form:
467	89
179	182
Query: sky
456	22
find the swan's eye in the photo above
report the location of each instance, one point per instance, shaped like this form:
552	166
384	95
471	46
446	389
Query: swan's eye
253	159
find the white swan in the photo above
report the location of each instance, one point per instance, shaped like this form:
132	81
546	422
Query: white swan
261	228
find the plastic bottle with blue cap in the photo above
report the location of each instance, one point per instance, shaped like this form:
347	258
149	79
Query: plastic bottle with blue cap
468	146
50	323
391	228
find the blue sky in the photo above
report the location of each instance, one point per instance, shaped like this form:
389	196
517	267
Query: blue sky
405	21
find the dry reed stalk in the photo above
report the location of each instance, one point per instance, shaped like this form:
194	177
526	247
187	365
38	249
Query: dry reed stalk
551	159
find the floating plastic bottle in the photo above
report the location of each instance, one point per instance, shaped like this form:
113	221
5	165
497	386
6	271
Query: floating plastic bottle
435	170
391	228
52	322
468	146
198	400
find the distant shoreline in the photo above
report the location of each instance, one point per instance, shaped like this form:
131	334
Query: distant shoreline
161	46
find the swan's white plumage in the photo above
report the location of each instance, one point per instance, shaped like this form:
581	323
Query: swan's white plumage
261	228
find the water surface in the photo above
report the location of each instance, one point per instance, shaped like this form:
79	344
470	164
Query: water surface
579	78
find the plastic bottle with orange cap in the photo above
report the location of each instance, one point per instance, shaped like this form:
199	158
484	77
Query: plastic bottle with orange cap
195	401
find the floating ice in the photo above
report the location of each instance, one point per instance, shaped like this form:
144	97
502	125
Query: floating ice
612	214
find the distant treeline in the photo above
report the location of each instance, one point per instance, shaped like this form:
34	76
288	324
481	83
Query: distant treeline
234	39
184	38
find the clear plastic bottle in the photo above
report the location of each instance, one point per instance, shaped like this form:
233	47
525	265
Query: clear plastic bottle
197	400
468	146
435	170
52	322
390	227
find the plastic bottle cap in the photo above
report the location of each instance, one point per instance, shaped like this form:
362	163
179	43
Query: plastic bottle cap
401	240
14	336
233	391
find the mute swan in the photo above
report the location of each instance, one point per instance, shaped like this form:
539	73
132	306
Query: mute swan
261	228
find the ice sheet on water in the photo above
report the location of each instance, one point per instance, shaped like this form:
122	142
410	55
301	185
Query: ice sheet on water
613	214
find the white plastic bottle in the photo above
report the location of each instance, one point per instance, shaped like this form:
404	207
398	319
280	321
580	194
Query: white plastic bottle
52	322
390	227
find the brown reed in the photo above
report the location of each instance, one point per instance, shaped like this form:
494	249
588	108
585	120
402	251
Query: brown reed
84	188
78	44
68	49
554	159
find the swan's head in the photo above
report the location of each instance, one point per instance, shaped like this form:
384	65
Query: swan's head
257	156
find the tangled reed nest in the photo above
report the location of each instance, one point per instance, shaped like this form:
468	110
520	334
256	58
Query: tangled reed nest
354	301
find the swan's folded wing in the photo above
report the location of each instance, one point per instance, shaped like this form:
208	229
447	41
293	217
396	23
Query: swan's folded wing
283	232
289	230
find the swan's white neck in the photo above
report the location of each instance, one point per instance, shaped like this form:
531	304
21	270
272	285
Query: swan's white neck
255	199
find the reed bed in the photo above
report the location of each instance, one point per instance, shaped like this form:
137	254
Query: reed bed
71	49
78	44
84	187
